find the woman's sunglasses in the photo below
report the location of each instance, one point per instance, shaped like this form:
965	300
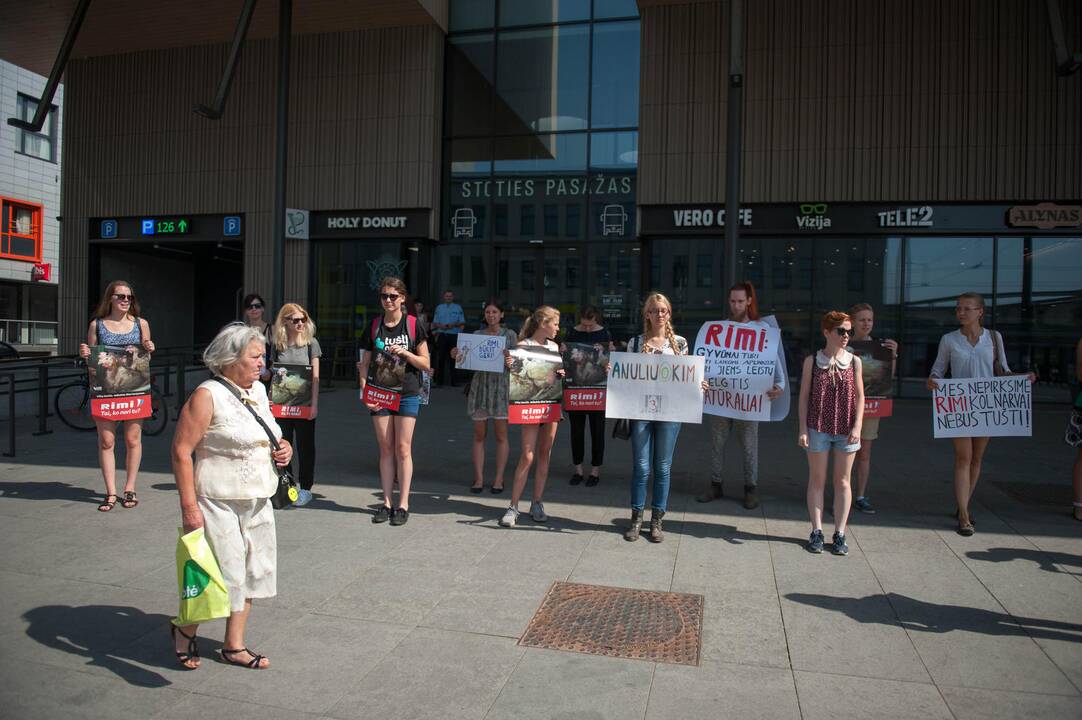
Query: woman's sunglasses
298	321
388	296
122	297
843	332
255	306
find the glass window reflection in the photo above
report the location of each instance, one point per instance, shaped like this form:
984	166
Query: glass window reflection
541	153
615	8
541	12
471	14
468	89
614	150
543	77
615	82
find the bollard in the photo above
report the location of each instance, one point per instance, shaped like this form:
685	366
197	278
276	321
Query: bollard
11	415
43	401
182	393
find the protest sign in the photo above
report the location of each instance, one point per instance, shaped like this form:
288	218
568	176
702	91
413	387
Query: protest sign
584	381
386	376
739	365
983	407
291	391
877	371
665	388
119	382
535	387
477	351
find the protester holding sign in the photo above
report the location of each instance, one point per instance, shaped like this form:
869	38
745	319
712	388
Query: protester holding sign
743	308
863	317
254	306
487	400
295	346
117	323
831	412
1073	436
394	355
538	332
653	442
969	352
588	332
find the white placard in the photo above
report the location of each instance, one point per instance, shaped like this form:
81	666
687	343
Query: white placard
983	407
740	360
665	388
477	351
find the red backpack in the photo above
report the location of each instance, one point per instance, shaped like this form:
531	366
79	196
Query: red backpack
411	329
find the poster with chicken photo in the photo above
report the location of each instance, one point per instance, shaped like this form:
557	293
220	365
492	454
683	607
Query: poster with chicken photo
877	370
119	382
536	390
584	379
291	391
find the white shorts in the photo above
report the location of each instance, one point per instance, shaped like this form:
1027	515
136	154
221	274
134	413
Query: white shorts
241	534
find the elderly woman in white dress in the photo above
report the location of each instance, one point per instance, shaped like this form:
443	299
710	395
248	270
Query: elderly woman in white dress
226	490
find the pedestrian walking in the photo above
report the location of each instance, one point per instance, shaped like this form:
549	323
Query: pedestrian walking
487	400
863	317
226	491
118	322
590	332
743	308
970	351
294	343
831	413
447	322
395	354
539	331
653	442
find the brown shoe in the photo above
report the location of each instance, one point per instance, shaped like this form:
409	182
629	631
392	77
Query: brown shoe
632	533
656	533
712	493
751	497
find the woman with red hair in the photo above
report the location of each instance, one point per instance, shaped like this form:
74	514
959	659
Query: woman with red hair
831	414
743	308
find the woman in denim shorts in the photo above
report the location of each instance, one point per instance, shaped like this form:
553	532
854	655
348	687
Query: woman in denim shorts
831	414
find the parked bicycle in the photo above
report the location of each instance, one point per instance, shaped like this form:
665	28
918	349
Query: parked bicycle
72	405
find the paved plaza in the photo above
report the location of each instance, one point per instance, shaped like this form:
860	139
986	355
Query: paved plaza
423	621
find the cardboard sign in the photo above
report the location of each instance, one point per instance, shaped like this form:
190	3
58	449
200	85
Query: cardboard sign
291	391
663	388
119	382
481	352
983	407
878	407
584	378
382	398
740	360
535	386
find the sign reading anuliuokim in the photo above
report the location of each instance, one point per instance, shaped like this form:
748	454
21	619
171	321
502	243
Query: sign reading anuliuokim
119	382
983	407
666	388
739	366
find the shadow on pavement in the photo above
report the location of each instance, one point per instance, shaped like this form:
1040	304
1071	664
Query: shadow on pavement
104	634
913	614
48	491
1047	560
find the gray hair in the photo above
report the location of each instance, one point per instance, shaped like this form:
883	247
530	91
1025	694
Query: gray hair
229	345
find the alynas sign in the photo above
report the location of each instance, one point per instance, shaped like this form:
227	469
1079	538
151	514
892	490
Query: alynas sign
740	360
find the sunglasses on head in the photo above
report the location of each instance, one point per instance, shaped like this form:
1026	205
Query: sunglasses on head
298	321
843	331
389	296
255	306
122	297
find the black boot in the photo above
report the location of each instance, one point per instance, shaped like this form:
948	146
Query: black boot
712	493
656	534
751	497
632	533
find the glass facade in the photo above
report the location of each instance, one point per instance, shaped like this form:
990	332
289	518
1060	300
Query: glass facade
541	152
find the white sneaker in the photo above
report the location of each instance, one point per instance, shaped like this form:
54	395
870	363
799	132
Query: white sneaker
303	498
537	512
509	518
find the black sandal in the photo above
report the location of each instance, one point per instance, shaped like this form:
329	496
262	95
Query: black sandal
193	650
107	504
129	500
593	480
253	663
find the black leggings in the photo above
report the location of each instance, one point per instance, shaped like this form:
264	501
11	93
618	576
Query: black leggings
578	436
305	445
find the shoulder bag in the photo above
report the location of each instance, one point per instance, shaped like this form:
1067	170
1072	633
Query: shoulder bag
997	367
287	491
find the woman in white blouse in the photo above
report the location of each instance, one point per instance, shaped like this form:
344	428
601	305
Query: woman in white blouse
227	489
969	352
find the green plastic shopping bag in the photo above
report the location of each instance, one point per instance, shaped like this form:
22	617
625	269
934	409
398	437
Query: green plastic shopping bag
203	595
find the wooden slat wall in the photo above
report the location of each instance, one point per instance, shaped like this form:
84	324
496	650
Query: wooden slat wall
849	100
365	122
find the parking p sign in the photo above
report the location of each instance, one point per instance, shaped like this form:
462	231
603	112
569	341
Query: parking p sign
108	229
231	225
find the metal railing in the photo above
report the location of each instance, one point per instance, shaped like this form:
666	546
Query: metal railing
28	332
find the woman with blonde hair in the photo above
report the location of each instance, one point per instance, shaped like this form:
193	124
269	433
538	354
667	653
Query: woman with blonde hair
117	323
539	331
653	442
969	352
294	343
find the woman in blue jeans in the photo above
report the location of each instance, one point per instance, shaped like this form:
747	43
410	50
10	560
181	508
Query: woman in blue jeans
653	443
